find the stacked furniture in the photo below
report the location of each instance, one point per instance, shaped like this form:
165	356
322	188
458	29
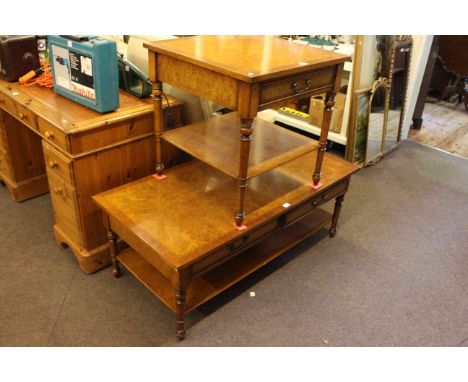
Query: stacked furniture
246	74
187	229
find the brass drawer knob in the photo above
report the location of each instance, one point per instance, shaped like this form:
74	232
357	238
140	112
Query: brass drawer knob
53	164
243	241
58	190
48	134
307	83
21	115
293	85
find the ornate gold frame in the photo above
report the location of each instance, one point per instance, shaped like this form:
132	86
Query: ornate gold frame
402	42
382	81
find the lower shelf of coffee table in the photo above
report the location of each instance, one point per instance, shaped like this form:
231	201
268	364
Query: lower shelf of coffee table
210	284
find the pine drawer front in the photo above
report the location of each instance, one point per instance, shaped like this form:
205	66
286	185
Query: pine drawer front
52	135
25	116
18	111
64	200
7	104
58	163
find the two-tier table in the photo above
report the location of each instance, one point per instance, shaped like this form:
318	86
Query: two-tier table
182	243
244	74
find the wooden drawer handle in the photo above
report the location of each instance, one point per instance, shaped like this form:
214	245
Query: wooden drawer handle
233	247
48	134
58	190
53	164
325	197
293	85
22	116
307	83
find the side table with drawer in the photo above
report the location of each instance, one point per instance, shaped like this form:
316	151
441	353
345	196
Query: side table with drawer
245	74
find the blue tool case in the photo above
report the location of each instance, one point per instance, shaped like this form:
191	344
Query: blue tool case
85	70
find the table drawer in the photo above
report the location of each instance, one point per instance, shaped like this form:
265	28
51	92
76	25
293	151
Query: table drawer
65	203
58	163
25	116
52	134
293	86
7	104
299	212
234	247
18	111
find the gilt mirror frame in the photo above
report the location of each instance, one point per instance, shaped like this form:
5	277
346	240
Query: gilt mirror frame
404	42
398	42
381	82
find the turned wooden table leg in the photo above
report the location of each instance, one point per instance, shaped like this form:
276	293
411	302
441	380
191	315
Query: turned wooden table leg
114	251
158	125
180	314
327	114
336	215
246	132
180	284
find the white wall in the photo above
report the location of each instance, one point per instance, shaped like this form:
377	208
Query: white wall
368	63
421	49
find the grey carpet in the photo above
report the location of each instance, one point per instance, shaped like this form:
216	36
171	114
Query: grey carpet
396	274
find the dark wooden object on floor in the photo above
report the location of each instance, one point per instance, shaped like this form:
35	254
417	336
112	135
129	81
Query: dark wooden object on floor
49	142
453	51
426	81
186	262
246	74
452	54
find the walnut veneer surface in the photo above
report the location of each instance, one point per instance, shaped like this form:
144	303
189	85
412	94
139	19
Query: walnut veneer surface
187	214
247	58
183	246
48	142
